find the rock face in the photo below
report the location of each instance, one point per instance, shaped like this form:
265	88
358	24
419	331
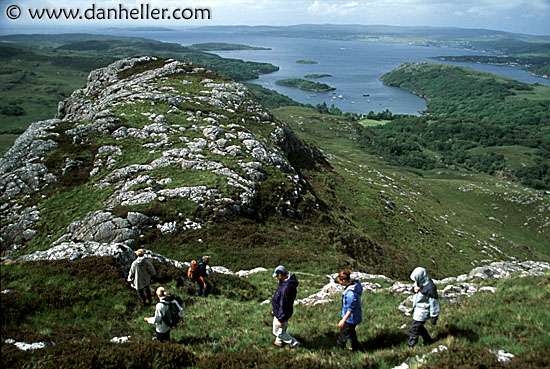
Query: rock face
152	133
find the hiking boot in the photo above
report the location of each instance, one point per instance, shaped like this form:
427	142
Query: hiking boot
295	345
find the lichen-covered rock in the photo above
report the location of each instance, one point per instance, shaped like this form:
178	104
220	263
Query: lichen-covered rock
21	168
102	227
20	229
145	132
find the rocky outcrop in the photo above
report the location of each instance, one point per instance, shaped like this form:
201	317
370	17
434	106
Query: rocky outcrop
101	227
21	168
122	254
455	290
153	127
20	230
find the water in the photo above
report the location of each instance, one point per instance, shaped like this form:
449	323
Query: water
355	67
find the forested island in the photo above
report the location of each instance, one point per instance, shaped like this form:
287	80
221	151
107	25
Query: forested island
222	46
474	119
305	85
306	62
315	76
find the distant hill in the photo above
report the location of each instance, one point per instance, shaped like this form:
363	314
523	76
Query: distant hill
480	39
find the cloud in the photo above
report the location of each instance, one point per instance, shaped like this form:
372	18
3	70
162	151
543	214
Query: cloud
325	8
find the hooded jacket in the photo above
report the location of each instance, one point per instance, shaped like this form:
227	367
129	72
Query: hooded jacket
140	273
351	301
425	302
283	300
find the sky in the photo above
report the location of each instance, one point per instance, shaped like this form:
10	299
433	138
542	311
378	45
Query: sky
520	16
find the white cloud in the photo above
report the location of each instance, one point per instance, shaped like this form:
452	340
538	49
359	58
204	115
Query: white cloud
326	8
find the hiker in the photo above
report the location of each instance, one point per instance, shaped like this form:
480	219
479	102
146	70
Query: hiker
425	305
352	313
140	277
203	280
283	306
163	319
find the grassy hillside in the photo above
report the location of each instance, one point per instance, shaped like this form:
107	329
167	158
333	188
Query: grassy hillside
231	329
358	212
431	212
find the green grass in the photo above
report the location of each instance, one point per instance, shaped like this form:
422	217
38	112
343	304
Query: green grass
427	201
359	212
372	122
55	300
539	93
6	142
516	156
59	209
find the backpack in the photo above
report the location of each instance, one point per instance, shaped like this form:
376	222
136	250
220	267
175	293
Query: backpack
171	315
193	271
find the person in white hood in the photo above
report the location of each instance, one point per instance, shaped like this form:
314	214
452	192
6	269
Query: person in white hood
139	276
425	305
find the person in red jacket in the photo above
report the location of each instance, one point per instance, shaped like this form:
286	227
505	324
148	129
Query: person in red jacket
283	306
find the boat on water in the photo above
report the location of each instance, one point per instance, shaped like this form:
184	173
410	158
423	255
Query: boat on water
366	95
340	96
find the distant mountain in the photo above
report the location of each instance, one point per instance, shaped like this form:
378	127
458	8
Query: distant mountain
139	29
482	39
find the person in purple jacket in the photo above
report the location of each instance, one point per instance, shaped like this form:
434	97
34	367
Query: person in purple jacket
283	306
352	313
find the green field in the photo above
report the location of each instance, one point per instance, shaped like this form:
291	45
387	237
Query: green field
516	156
372	122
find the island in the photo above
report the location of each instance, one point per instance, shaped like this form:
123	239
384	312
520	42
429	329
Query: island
306	62
313	76
304	84
222	46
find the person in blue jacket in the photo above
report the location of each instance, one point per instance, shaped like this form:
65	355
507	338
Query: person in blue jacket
283	306
352	313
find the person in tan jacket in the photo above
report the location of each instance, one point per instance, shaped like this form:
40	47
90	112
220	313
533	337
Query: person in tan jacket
140	277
